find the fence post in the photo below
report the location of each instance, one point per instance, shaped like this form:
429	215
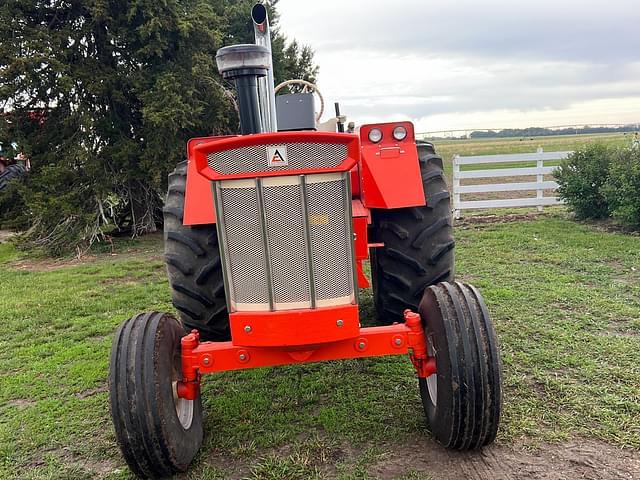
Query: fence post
540	177
456	187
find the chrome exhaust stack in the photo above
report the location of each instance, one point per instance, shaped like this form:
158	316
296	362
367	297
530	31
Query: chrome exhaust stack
266	93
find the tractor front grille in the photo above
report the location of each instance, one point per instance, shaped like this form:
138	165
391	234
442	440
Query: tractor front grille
286	241
302	155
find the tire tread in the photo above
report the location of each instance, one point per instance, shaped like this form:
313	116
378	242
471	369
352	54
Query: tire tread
193	266
455	315
418	243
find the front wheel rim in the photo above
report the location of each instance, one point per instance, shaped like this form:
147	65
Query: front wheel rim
184	407
432	380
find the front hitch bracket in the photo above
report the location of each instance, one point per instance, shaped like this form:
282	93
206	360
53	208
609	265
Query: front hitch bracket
199	358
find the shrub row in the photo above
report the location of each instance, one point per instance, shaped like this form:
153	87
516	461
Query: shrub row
600	181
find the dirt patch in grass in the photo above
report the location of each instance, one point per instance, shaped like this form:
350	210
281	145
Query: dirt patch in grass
587	459
620	332
92	391
158	273
21	403
609	225
419	457
74	464
506	218
47	265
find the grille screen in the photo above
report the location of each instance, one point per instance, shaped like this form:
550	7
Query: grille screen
267	243
243	243
286	234
330	240
300	155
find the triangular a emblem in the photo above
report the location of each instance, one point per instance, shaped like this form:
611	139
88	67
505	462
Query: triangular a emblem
277	156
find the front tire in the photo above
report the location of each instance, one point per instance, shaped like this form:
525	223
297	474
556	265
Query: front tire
463	400
159	434
418	244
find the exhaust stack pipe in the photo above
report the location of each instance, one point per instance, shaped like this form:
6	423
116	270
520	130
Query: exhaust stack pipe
266	93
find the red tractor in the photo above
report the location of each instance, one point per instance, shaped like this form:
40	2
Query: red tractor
265	238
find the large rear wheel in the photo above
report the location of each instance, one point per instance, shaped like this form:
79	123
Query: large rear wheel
193	266
158	432
418	244
463	400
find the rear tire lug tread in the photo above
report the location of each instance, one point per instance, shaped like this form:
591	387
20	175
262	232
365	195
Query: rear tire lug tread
176	262
429	232
198	297
190	243
439	277
197	286
187	311
207	270
176	190
433	175
176	212
399	232
440	251
406	260
436	198
418	242
397	279
417	213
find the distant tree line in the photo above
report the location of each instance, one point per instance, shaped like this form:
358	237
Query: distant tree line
119	88
542	132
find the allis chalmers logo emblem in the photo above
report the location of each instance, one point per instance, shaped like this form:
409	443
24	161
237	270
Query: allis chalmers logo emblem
277	156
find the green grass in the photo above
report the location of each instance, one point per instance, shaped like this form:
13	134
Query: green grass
565	299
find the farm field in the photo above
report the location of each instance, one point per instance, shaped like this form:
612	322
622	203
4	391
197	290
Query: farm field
448	148
565	298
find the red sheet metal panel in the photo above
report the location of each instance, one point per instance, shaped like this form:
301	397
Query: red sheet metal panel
198	196
389	169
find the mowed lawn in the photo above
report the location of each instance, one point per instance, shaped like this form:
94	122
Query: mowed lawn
565	299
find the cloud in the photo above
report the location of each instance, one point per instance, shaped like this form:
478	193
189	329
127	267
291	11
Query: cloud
422	59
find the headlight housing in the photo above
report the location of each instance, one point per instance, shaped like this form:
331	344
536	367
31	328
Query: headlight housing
399	133
375	135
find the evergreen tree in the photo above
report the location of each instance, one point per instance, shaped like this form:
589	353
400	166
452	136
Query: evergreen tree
119	86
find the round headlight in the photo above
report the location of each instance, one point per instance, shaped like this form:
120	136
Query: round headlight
375	135
399	133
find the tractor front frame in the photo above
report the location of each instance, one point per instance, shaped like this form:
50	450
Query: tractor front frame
199	358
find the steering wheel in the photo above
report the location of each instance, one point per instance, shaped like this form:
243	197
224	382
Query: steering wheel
306	86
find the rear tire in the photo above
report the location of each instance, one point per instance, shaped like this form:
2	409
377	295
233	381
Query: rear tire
463	400
11	173
193	266
418	244
158	433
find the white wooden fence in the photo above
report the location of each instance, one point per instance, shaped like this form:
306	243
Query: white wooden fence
539	185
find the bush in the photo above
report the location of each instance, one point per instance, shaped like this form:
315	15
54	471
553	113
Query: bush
581	178
622	188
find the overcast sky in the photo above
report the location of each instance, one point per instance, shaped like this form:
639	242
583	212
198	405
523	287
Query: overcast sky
474	64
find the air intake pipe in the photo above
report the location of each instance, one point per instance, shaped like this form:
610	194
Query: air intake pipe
246	64
266	93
